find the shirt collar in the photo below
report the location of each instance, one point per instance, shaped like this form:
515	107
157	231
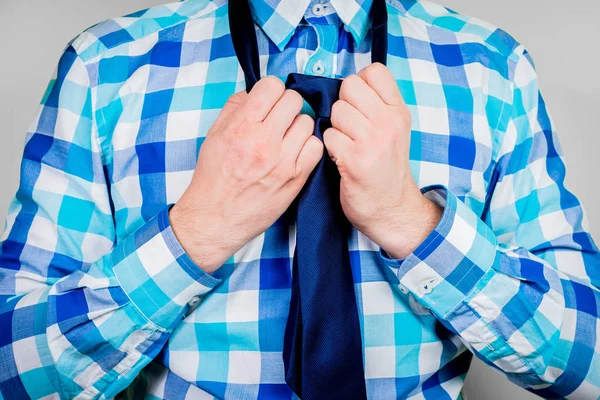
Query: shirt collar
279	18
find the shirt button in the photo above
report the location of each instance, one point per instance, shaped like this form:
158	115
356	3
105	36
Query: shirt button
318	68
427	285
318	9
194	301
403	288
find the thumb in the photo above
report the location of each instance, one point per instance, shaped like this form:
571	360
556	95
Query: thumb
309	157
337	144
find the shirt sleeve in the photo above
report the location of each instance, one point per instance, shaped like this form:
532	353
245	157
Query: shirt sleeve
81	312
520	283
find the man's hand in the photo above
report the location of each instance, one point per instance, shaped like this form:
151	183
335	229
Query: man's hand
253	163
370	143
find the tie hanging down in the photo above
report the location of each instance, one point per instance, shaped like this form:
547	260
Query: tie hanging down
322	346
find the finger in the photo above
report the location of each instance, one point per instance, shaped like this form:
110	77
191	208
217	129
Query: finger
283	113
309	157
357	92
263	97
233	104
296	136
346	118
338	144
380	78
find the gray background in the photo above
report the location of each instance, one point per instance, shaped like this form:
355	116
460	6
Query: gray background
562	39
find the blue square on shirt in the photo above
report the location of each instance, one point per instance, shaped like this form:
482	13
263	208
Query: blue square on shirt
115	38
461	152
166	54
37	147
449	55
70	305
397	46
221	47
180	155
79	220
157	103
274	391
212	336
151	157
6	322
434	148
217	94
114	69
275	273
269	341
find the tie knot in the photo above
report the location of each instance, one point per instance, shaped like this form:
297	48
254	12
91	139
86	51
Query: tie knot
319	92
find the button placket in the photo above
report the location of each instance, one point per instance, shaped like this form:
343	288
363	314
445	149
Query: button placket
321	62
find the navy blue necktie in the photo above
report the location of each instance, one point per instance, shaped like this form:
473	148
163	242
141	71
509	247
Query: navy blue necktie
322	346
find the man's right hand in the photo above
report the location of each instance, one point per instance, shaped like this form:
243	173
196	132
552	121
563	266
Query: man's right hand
253	163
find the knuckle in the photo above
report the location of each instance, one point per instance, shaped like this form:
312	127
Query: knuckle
306	122
405	116
338	112
237	98
375	69
347	85
293	99
272	84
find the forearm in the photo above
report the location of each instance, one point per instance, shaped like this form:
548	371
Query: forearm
88	332
513	307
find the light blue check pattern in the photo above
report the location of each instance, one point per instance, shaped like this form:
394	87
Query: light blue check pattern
95	290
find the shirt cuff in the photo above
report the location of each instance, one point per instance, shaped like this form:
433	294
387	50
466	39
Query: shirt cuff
452	260
157	275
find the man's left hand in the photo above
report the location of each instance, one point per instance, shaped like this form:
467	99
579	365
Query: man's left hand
370	143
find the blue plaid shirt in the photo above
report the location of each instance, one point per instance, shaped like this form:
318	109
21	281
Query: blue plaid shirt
97	295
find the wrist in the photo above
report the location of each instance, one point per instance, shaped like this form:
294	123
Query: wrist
412	221
199	238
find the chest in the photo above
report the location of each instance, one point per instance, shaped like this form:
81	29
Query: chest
155	120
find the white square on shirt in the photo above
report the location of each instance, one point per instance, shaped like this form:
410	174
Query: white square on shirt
130	191
182	125
461	235
66	125
52	180
199	30
251	250
433	120
26	355
430	355
424	71
554	225
242	306
125	135
380	362
177	183
377	298
569	323
185	364
155	255
244	367
192	75
431	173
94	246
43	233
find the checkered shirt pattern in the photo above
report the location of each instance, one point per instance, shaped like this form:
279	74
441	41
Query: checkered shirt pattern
97	295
